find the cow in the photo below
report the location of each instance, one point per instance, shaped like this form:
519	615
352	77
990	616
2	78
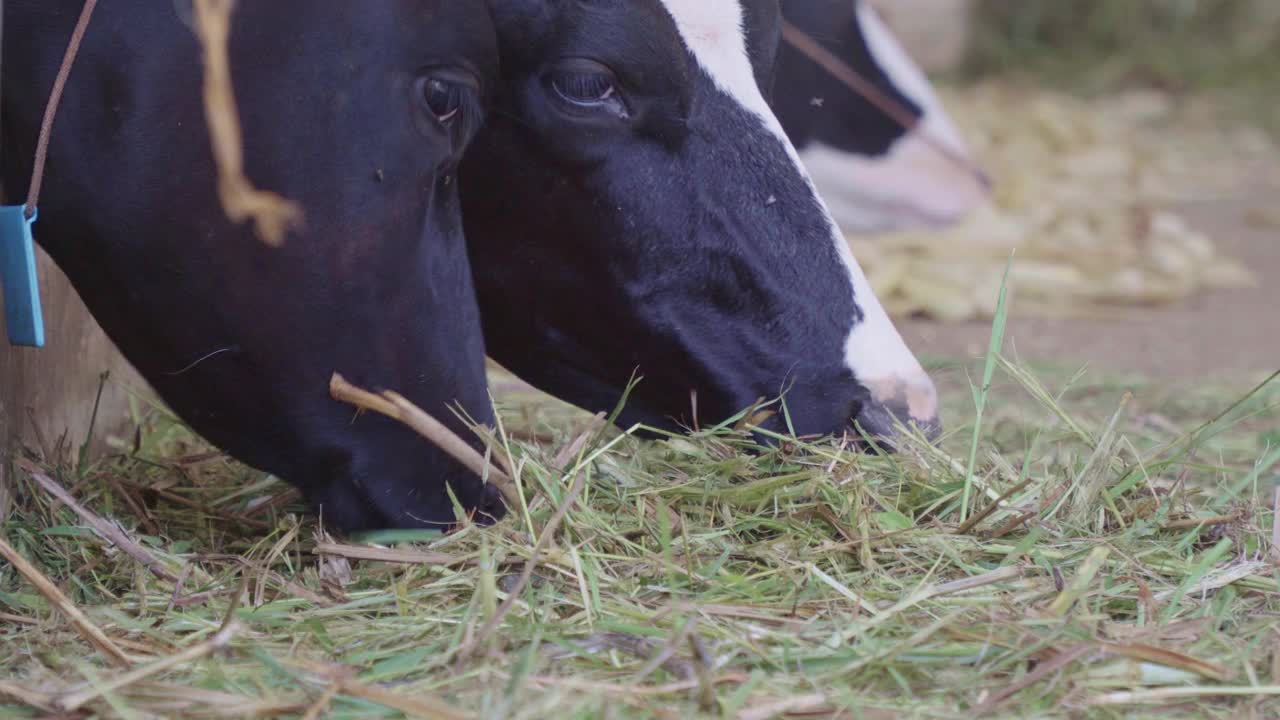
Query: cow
875	174
634	205
357	112
637	204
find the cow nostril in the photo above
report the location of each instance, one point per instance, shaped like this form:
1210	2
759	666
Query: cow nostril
900	401
883	423
883	420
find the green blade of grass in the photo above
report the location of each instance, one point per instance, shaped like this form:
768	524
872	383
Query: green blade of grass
980	394
1211	558
1079	585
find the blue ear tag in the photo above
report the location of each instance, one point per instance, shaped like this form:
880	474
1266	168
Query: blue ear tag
22	315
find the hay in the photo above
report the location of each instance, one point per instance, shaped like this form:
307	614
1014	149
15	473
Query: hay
1110	561
1086	194
398	408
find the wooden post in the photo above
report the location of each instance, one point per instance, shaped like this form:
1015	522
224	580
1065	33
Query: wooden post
60	382
48	394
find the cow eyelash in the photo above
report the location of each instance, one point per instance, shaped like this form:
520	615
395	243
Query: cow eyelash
587	86
583	88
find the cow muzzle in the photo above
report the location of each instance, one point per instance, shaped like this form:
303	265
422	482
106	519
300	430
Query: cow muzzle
898	406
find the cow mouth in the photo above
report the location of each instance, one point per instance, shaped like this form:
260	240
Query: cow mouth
897	407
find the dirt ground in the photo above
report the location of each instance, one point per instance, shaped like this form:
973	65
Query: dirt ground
1220	335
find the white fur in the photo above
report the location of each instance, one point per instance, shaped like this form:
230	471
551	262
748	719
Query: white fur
714	33
910	187
874	351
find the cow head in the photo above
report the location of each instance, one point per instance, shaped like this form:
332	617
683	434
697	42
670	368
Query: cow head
874	174
357	112
634	204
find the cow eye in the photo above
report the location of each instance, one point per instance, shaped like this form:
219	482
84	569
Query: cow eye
449	100
450	95
585	85
443	97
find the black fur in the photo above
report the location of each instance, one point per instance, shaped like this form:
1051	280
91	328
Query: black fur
376	285
680	241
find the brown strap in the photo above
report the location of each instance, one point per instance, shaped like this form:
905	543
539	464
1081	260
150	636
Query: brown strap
51	109
853	80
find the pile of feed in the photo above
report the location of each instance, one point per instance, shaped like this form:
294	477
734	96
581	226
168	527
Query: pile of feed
1086	196
1112	565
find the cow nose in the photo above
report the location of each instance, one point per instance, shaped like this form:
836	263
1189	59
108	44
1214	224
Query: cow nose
492	506
900	402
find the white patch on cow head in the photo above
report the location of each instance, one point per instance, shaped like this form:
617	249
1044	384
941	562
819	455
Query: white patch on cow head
713	31
875	351
913	185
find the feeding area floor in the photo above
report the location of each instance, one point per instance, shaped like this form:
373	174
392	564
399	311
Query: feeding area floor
1217	333
1111	554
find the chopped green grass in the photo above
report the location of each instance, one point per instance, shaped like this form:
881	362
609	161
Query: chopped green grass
1117	562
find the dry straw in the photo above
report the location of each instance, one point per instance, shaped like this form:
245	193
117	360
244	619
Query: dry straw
271	214
397	407
689	577
1089	193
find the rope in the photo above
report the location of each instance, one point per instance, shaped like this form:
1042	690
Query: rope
895	110
51	109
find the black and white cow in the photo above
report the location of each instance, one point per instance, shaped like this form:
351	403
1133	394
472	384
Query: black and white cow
635	204
874	175
357	111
